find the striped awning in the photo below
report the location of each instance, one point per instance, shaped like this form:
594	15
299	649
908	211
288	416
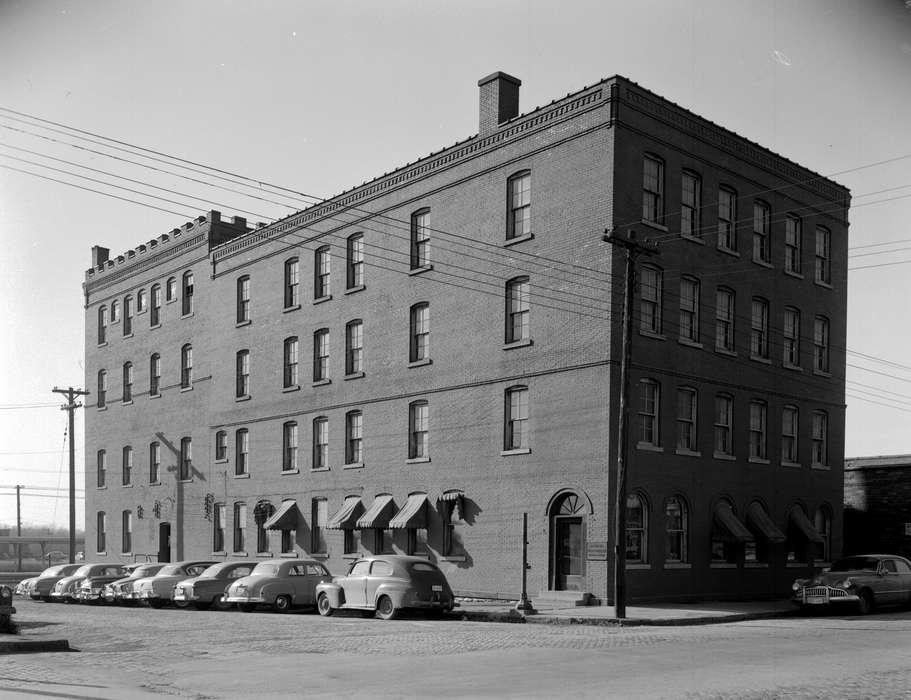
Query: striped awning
285	518
735	529
347	515
457	498
413	514
764	524
379	514
799	519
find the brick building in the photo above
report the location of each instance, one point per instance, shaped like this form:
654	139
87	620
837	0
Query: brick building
877	515
415	363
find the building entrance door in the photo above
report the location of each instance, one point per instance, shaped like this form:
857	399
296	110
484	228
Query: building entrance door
164	543
568	553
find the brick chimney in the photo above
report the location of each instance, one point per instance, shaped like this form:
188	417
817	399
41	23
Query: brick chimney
99	255
499	101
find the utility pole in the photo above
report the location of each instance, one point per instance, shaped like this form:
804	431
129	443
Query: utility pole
633	248
18	528
70	407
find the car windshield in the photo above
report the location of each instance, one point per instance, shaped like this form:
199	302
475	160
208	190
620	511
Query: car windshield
265	569
83	570
143	571
170	570
53	570
856	564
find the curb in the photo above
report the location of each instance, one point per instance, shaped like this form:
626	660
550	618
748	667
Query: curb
21	646
544	619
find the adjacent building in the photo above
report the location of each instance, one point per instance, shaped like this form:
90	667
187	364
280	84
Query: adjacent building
416	363
877	513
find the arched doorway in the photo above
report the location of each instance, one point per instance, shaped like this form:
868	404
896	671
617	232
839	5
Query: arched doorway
567	543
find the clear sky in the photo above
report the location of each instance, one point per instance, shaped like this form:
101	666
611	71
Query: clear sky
321	96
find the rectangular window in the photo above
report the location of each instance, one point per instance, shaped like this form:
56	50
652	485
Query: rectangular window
171	290
420	239
350	542
128	382
649	411
519	222
321	273
354	426
102	388
636	530
101	531
757	430
287	545
187	305
221	446
242	387
321	355
289	447
727	219
218	528
141	302
691	205
354	347
789	426
127	475
355	259
517	419
724	320
650	300
419	426
242	452
823	256
243	299
319	512
759	329
186	366
420	333
292	283
652	189
127	532
240	527
154	462
155	311
821	344
154	374
686	420
518	310
320	443
724	419
102	325
689	309
291	361
762	216
102	468
185	468
792	245
820	438
791	333
675	518
128	316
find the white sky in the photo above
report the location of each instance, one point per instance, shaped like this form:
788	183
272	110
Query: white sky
321	96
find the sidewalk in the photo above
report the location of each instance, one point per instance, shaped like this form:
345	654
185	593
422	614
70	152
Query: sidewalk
637	615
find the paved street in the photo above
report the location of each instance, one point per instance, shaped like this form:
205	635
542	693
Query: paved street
141	652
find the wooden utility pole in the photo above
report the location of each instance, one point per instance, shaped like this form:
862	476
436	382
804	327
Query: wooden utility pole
70	407
18	528
633	248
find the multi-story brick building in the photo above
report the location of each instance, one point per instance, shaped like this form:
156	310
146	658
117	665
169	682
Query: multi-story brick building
877	515
416	362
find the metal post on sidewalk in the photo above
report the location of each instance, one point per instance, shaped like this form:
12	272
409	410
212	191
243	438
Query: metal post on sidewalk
524	605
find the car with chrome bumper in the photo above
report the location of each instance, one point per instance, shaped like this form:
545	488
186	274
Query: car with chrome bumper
156	590
120	591
863	581
67	589
40	588
282	584
385	585
208	589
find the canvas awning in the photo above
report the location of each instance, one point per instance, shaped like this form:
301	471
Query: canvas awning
802	523
413	514
379	514
735	529
347	515
285	518
764	524
457	498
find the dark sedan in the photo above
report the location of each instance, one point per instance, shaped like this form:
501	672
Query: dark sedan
864	581
209	587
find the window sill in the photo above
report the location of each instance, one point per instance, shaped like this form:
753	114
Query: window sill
722	565
762	263
454	558
219	553
654	224
652	334
518	344
692	239
821	467
792	465
689	342
239	554
154	483
418	460
322	300
518	451
286	472
128	402
169	301
289	389
755	565
728	251
353	465
824	285
319	556
353	375
687	453
758	460
288	309
126	486
155	396
155	326
351	556
189	315
101	488
127	335
358	288
795	275
822	373
518	239
102	408
320	469
287	555
677	565
322	382
793	368
265	555
648	447
638	567
103	345
186	388
245	397
763	360
420	363
420	270
725	457
185	481
245	475
241	324
101	554
725	351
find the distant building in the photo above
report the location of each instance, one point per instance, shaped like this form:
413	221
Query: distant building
878	505
418	361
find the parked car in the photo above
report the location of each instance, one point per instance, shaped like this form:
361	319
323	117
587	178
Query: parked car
209	587
7	610
281	583
41	587
864	581
384	585
156	590
23	586
66	589
119	591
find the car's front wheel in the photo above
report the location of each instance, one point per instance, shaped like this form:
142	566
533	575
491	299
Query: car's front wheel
323	606
283	604
181	604
386	609
865	605
221	603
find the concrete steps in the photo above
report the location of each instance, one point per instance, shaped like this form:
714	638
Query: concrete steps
561	599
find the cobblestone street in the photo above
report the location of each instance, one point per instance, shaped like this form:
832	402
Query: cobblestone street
140	652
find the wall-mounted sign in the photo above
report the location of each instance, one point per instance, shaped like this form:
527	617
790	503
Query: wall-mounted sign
597	551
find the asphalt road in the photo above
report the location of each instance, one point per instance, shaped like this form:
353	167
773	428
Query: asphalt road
126	653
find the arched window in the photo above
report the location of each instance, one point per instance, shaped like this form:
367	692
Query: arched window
127	532
790	424
354	436
791	334
154	462
240	527
154	374
636	529
823	524
676	530
101	468
292	283
261	513
820	436
759	329
289	447
127	316
187	305
218	528
221	446
102	388
242	386
823	255
518	222
419	341
727	219
418	430
821	344
321	355
518	310
320	442
186	366
185	467
762	217
650	301
691	205
420	239
355	261
689	308
171	289
242	452
649	412
127	382
243	299
127	466
290	374
516	433
101	526
354	347
102	324
155	310
321	265
652	189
